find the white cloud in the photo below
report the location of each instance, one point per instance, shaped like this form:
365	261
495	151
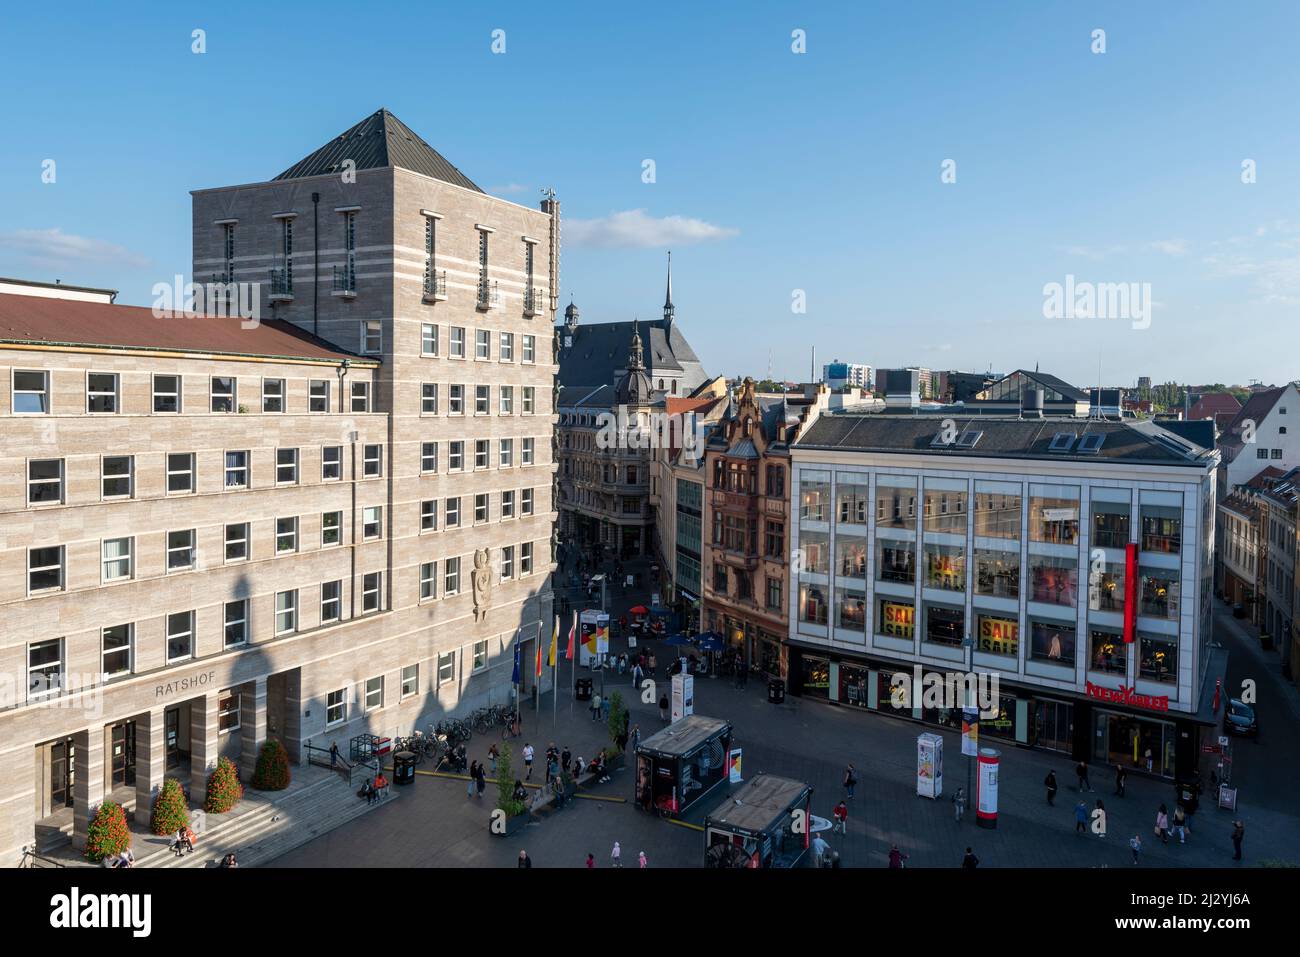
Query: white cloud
633	228
55	248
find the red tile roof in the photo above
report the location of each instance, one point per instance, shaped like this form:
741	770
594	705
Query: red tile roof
1213	404
65	322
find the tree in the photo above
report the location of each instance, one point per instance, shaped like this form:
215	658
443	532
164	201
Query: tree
107	835
272	771
224	789
506	783
617	717
170	810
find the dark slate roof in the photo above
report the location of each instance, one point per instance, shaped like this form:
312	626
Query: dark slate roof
600	351
1200	431
1256	409
1060	385
379	141
762	801
1125	441
585	397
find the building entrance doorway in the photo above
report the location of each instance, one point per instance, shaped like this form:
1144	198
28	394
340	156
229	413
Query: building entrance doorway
61	770
1054	725
122	755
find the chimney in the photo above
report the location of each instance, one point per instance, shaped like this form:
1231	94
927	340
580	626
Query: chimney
1031	404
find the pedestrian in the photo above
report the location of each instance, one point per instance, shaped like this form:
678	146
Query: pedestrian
850	780
1135	845
663	707
1081	818
959	803
651	663
1100	818
636	737
636	675
1081	771
1120	778
524	860
820	849
641	861
334	755
473	780
1147	756
1050	781
595	706
493	753
841	816
481	780
616	856
835	859
604	708
528	761
1180	824
591	862
1162	824
970	861
566	758
896	858
1238	835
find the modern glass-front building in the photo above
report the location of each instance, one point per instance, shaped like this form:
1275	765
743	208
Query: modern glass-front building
1071	557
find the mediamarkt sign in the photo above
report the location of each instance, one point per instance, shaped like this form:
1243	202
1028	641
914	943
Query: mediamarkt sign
1126	695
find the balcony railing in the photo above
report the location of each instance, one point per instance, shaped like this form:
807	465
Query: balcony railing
733	500
435	284
488	294
280	282
774	506
532	301
345	280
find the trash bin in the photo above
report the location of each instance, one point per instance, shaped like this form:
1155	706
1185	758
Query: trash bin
404	767
582	689
1187	792
776	691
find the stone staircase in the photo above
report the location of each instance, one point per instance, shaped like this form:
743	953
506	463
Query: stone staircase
265	833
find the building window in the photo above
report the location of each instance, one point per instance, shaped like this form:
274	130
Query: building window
286	466
237	542
1052	641
529	399
371	461
116	559
429	398
526	501
456	400
372	337
370	591
1055	518
286	535
1108	653
101	393
446	667
331	463
895	561
44	568
1158	594
336	707
1054	580
456	456
180	635
272	395
526	452
429	515
507	505
116	475
1275	453
180	472
482	399
428	581
1158	658
236	619
774	593
44	481
428	456
530	348
286	612
480	652
945	567
374	693
428	339
1161	529
507	400
451	512
331	601
480	508
997	572
228	251
506	349
167	394
318	395
451	576
507	563
236	470
526	559
31	392
44	667
482	344
331	529
372	522
361	397
481	453
222	394
350	250
506	453
228	706
180	550
457	342
410	680
115	650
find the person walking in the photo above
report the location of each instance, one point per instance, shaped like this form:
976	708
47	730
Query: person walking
566	759
524	860
1081	771
636	675
528	762
841	816
1121	776
493	753
595	706
636	737
480	780
334	755
850	780
473	780
896	858
1100	818
1135	845
616	856
641	861
1180	824
591	862
959	803
1162	824
1081	818
970	861
820	849
1050	782
663	707
1238	835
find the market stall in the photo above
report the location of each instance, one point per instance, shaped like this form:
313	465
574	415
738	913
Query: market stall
679	765
765	823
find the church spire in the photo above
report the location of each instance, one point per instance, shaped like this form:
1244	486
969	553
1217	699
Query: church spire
670	311
635	359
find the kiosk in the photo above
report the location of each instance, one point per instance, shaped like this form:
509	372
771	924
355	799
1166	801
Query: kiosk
681	764
765	823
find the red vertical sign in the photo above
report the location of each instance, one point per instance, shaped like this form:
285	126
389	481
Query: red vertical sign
1130	591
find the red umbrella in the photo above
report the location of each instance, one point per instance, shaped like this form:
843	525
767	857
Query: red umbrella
640	610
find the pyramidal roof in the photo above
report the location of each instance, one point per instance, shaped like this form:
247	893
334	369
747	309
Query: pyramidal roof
379	141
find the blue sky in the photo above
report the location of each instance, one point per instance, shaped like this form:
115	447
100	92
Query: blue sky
775	171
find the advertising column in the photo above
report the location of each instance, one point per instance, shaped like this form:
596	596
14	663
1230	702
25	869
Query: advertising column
929	765
986	808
